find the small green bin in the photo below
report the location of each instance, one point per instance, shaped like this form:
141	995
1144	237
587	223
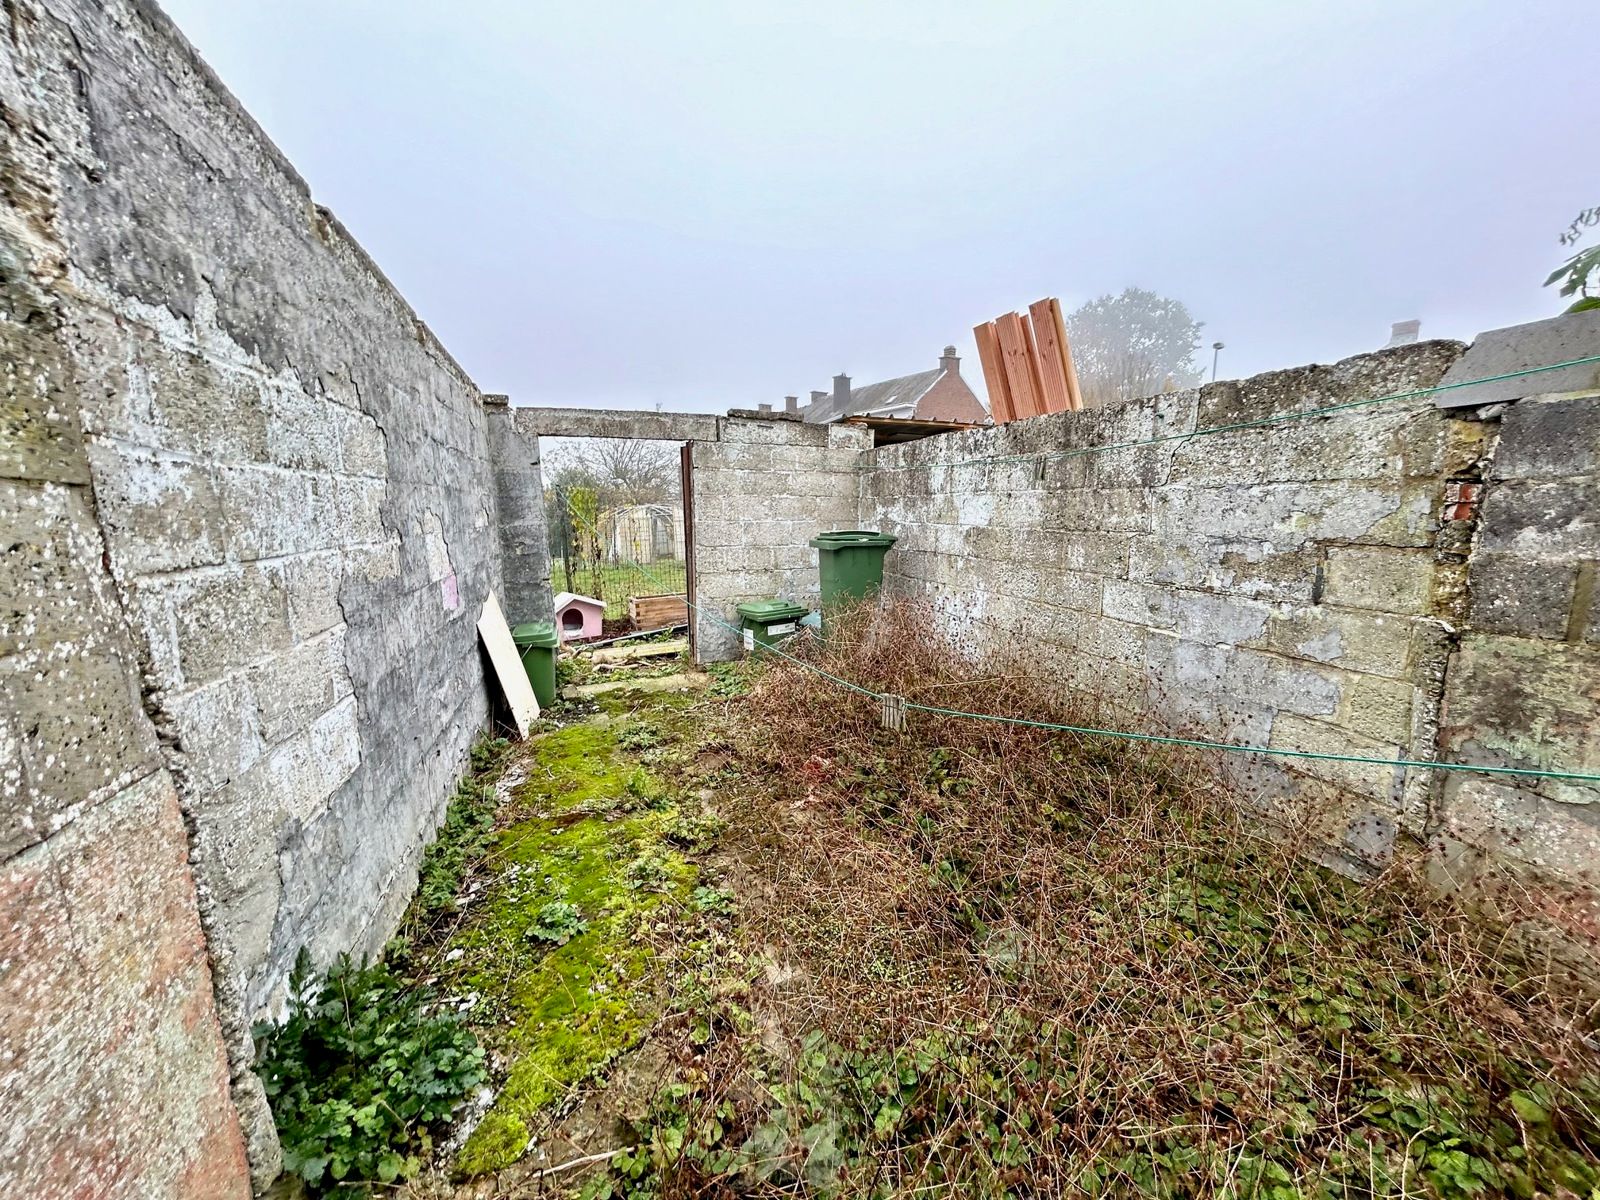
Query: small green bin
768	622
536	646
850	565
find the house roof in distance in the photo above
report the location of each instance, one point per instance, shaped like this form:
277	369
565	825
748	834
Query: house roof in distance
874	397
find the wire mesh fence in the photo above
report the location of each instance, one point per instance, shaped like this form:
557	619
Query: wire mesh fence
616	551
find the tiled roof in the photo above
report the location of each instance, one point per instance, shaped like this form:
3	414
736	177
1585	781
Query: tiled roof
875	397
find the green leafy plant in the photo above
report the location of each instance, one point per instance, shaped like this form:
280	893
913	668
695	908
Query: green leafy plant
558	923
717	901
729	679
695	829
467	831
360	1072
1582	271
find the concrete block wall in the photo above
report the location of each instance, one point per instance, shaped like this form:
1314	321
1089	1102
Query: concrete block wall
519	493
114	1072
288	481
1523	689
1283	585
760	492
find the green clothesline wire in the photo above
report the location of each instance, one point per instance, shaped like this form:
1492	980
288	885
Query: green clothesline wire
1200	743
1158	739
1275	419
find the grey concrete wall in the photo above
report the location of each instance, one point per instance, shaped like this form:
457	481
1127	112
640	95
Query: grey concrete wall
760	492
616	423
519	492
114	1076
1287	585
290	481
1523	689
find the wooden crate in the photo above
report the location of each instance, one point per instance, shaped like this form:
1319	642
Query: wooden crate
657	612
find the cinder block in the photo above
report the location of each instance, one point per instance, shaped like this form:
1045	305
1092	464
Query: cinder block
304	433
159	513
1380	578
294	688
223	618
1289	687
1381	708
1525	595
269	512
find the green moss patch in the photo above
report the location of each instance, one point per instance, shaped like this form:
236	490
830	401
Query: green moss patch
594	831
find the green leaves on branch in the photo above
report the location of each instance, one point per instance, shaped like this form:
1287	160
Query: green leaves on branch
1582	271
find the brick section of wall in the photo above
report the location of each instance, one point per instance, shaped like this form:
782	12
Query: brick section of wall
1525	688
950	399
1289	585
761	492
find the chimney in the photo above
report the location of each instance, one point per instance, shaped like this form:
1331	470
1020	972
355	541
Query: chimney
816	395
1403	333
841	389
949	362
765	408
791	404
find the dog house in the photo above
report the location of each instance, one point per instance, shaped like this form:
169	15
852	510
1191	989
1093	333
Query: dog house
578	616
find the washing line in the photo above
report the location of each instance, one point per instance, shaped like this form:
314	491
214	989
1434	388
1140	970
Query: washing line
1256	423
1159	739
1199	743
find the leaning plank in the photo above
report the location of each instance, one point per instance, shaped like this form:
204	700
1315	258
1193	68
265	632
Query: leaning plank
1052	368
994	373
1019	370
496	635
1074	394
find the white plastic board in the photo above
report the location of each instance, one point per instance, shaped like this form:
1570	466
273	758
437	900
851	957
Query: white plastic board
496	635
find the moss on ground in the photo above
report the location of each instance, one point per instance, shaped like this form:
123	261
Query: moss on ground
591	829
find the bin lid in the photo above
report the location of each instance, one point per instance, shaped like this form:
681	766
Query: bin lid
771	611
845	539
535	633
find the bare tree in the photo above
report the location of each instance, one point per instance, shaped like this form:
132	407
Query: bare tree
1129	346
620	470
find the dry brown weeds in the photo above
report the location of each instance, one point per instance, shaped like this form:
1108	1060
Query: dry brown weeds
1105	974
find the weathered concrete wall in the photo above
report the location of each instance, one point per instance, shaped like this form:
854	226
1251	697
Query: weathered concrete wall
616	423
1320	585
291	481
1280	585
1524	688
760	492
519	491
114	1076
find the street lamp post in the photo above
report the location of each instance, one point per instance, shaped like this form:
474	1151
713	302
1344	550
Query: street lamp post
1216	349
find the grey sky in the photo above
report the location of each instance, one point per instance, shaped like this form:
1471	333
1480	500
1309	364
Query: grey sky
703	204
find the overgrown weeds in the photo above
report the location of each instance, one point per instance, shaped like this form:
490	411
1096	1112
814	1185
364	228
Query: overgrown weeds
1003	961
365	1066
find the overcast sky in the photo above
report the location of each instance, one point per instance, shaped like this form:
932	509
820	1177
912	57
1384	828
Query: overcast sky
701	204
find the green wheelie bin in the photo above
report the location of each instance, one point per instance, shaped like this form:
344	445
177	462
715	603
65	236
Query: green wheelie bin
536	646
768	622
850	564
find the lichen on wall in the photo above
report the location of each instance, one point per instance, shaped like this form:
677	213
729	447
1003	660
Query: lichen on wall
288	481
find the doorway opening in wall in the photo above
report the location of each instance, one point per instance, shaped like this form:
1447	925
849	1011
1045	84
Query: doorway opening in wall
617	527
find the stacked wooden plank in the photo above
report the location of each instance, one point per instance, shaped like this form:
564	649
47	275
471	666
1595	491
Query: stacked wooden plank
1027	363
657	612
